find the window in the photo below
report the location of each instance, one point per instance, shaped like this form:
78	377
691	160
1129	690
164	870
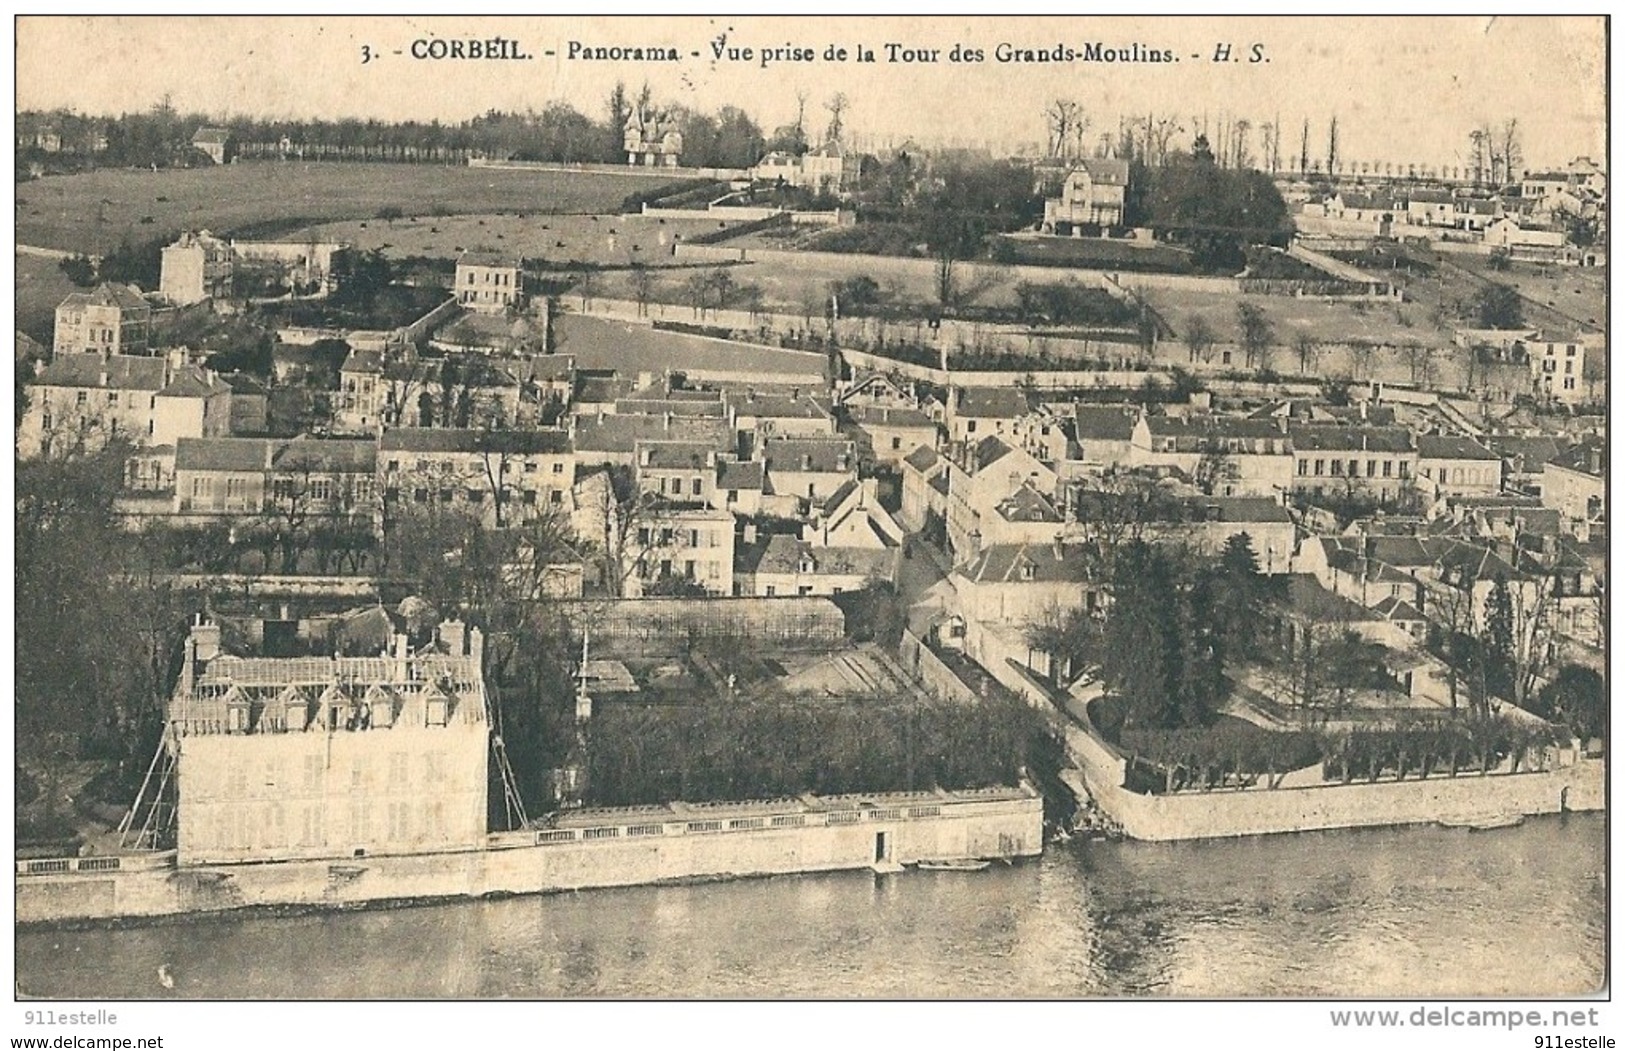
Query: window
555	496
530	466
771	591
112	399
733	496
476	496
1337	468
1387	468
420	496
970	425
394	465
558	468
1371	468
1404	469
321	489
81	398
696	487
236	488
1320	468
202	488
897	443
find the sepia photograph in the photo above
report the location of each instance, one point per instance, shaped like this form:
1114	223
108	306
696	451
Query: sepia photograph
894	508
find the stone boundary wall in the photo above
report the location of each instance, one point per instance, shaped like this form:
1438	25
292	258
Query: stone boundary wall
660	624
759	840
932	672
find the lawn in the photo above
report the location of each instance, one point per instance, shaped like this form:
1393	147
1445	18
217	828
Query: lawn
601	240
93	211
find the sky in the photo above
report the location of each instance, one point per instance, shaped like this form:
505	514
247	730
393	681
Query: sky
1403	89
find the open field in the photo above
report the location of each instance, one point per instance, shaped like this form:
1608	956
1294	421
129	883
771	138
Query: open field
601	240
1576	296
600	343
1378	322
40	286
93	211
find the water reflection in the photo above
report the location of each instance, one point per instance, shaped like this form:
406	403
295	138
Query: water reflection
1413	912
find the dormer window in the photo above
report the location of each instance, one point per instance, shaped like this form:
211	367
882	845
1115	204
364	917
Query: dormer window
1027	570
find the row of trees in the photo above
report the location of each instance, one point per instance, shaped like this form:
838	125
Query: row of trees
768	748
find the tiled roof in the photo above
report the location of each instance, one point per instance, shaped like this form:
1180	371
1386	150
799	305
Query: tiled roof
363	361
1450	447
491	259
885	416
787	554
1104	423
991	402
989	451
809	454
1009	564
1587	458
122	372
1334	438
211	137
620	434
547	441
108	294
341	455
662	455
1027	505
923	459
223	454
737	474
1107	171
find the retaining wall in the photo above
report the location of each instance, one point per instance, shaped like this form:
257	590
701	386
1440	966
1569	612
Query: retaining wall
838	834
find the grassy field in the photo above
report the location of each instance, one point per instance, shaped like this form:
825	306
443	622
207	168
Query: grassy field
40	286
1556	296
603	240
598	343
1325	321
92	212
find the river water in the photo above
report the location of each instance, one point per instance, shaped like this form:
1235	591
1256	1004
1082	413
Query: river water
1414	912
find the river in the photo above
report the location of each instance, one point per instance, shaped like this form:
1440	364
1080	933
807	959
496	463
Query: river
1414	912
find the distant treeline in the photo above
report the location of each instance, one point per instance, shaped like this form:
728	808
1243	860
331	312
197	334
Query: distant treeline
560	133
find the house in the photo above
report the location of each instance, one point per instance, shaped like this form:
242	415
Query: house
199	266
782	565
363	396
1023	583
852	517
738	486
499	476
1457	466
1092	198
651	139
111	319
1508	233
1536	185
793	412
81	400
925	489
682	544
1558	365
219	143
1369	461
1524	459
888	434
877	390
985	501
1224	455
680	472
808	468
976	412
489	283
327	756
288	480
1575	484
250	403
830	169
1104	435
194	404
1430	208
613	439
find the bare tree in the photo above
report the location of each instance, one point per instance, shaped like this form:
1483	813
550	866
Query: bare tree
1511	149
1199	338
1331	147
1307	349
643	283
1257	333
1063	117
1361	357
1303	150
837	108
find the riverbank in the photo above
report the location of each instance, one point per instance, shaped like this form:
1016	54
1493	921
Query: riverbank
584	850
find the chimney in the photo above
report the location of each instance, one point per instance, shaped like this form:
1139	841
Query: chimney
668	421
1594	458
455	637
1057	549
205	640
806	461
104	374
